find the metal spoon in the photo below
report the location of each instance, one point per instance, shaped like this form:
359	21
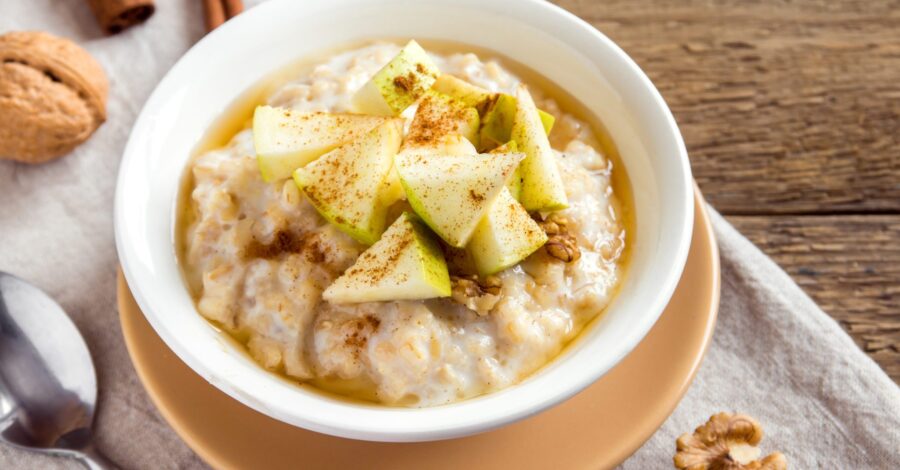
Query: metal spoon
48	387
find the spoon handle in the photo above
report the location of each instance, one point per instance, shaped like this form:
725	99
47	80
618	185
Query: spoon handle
94	460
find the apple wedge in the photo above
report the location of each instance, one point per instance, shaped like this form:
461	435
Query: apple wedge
405	264
345	185
498	110
482	99
505	236
453	144
439	115
398	84
462	90
452	193
286	140
542	187
499	116
515	183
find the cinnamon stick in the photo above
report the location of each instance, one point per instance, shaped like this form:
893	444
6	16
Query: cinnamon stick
117	15
220	11
233	8
214	12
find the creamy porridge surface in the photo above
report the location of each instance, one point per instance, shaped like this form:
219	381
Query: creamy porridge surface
259	256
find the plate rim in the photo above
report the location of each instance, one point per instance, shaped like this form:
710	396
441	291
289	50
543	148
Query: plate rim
628	448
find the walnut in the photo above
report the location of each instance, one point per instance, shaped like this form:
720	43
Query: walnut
726	442
480	295
52	96
560	243
563	247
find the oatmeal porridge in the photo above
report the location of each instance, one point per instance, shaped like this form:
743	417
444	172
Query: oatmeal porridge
259	250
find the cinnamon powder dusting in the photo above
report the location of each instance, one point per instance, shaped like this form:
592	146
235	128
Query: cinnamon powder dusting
435	119
377	271
405	82
359	333
287	242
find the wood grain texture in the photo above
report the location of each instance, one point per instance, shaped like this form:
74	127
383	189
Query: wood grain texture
790	110
796	104
850	265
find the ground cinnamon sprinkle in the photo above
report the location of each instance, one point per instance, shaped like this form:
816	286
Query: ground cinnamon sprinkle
287	242
359	336
373	321
355	339
383	268
405	83
436	118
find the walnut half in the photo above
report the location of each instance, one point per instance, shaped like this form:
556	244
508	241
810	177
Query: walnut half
726	442
560	243
480	295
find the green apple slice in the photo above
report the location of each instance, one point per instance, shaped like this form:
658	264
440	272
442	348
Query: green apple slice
542	187
286	140
405	264
499	116
345	185
439	115
505	236
398	84
509	147
515	183
462	90
500	124
452	193
453	144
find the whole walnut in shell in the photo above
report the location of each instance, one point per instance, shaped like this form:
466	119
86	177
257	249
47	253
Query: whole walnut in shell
52	96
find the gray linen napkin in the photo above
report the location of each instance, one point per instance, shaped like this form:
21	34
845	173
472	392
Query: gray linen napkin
775	354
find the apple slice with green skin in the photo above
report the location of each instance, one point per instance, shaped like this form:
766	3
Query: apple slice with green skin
398	84
439	115
542	186
405	264
498	110
346	184
452	193
515	183
462	90
453	144
505	236
285	140
499	117
482	99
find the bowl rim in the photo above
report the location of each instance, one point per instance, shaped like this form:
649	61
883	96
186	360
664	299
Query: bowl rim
401	430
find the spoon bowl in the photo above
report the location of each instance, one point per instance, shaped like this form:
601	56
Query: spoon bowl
48	386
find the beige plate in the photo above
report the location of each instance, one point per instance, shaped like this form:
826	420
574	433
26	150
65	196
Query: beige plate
598	428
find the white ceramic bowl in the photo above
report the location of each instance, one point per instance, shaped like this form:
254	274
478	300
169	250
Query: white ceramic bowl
538	34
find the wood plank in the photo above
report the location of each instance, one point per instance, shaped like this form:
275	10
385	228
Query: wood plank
786	107
850	265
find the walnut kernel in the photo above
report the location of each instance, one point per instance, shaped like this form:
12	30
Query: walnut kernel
726	442
560	243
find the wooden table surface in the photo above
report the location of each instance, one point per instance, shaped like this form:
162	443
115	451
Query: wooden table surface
791	115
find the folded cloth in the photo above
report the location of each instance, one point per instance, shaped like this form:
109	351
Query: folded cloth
775	354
